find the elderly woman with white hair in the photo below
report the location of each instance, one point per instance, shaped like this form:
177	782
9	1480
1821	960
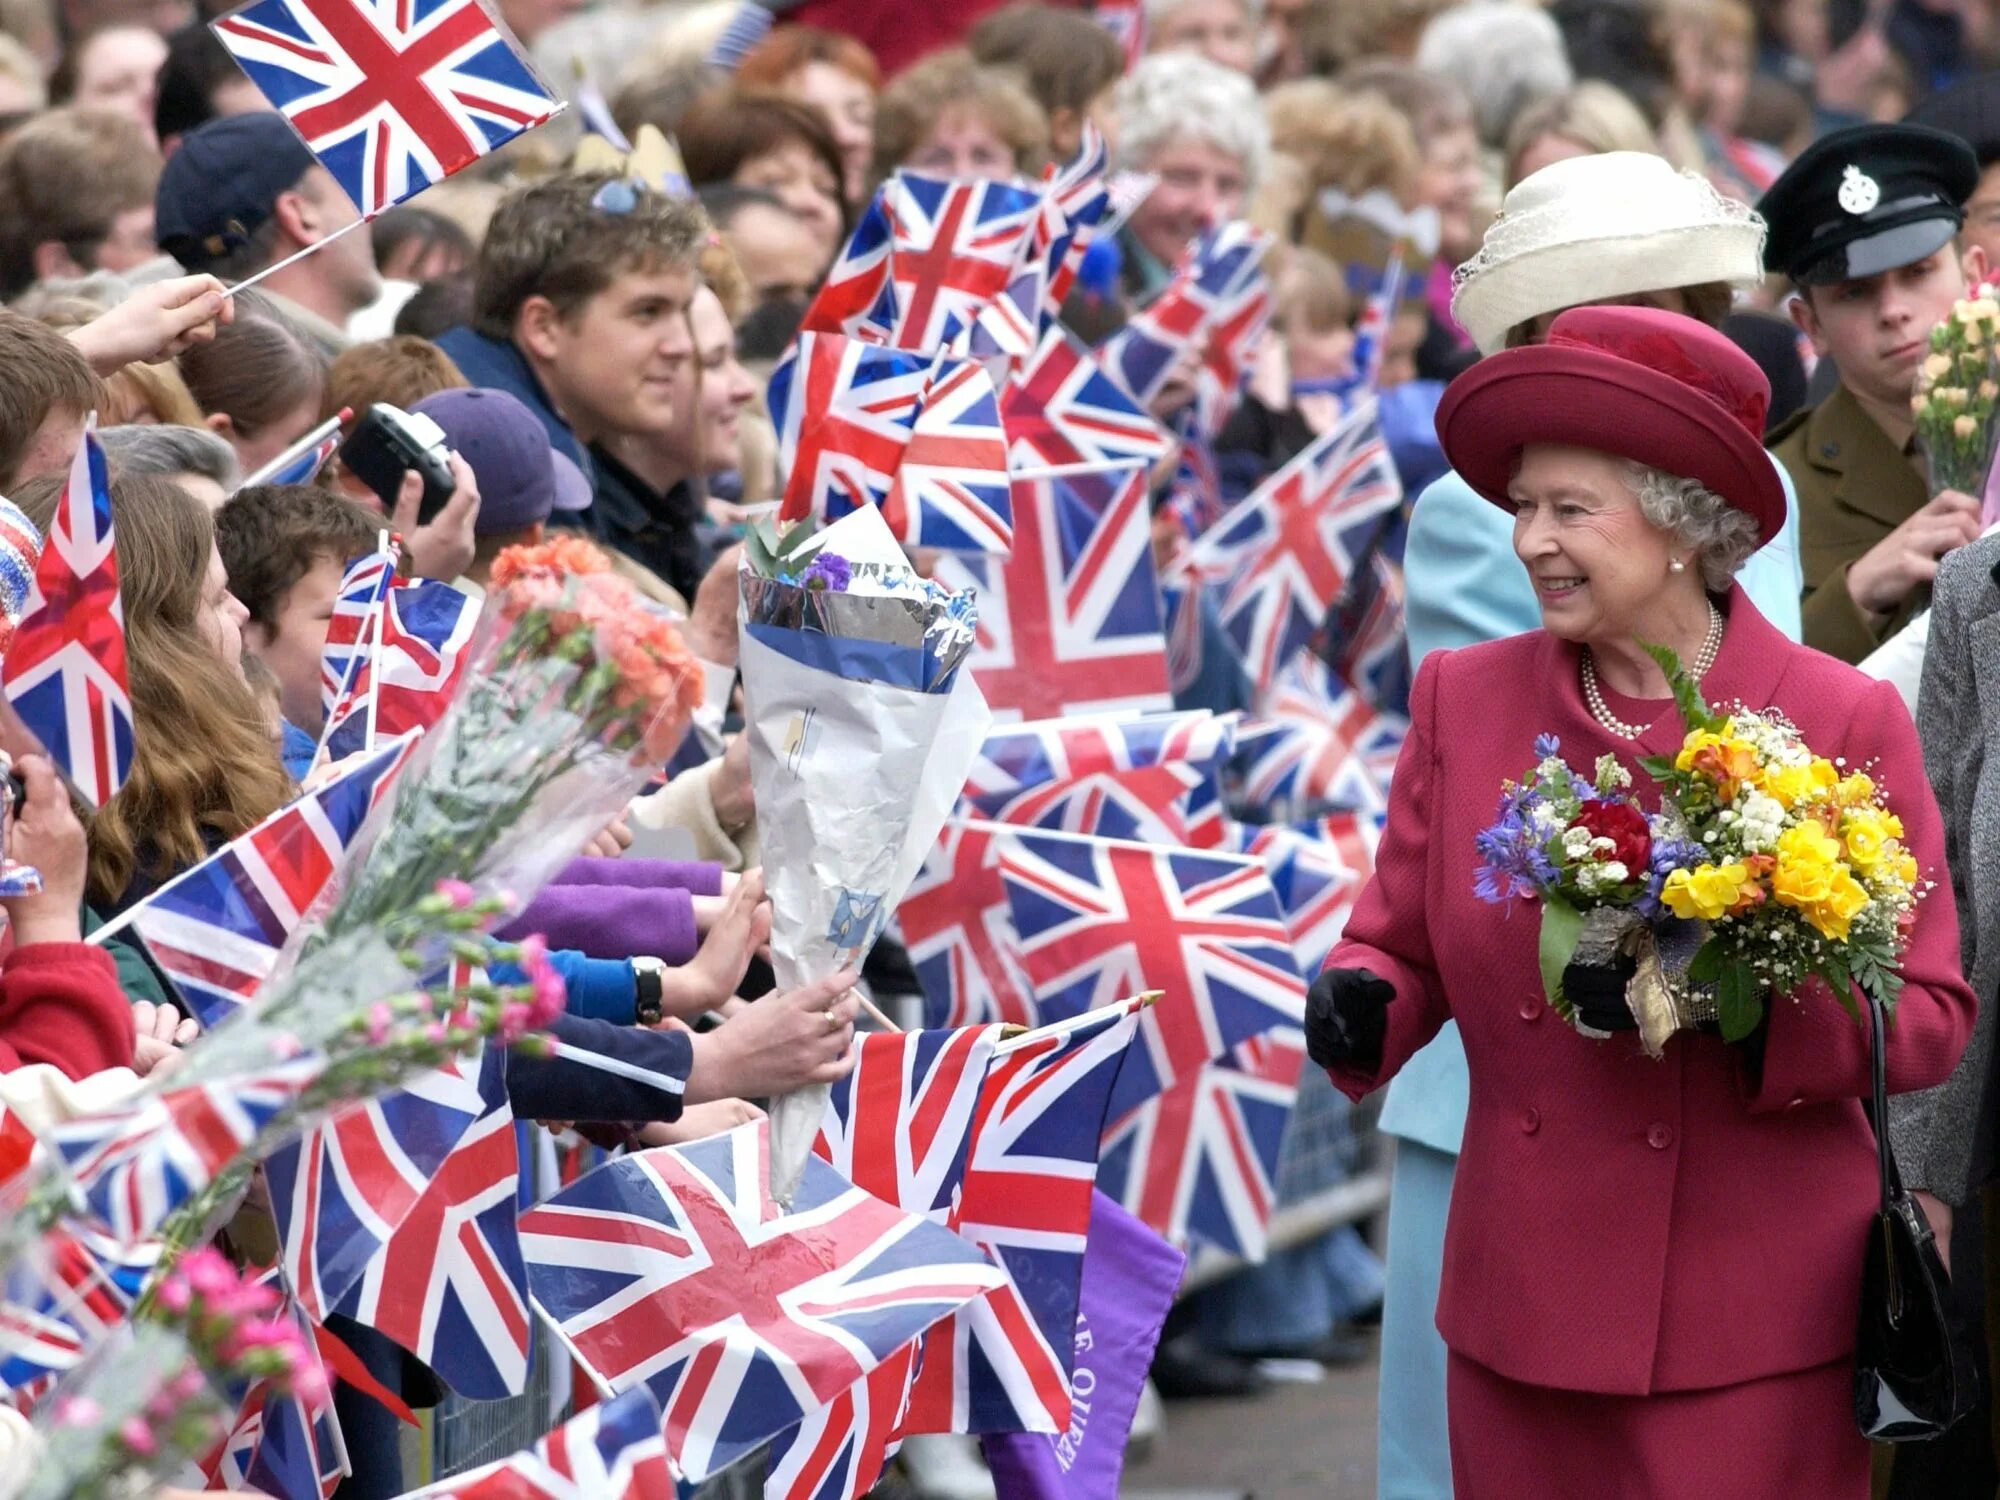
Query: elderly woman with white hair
1620	227
1504	56
1197	127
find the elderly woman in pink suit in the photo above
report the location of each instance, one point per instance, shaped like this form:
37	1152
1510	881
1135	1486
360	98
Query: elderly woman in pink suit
1652	1268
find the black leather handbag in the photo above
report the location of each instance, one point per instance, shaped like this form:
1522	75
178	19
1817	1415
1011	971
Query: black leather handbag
1912	1379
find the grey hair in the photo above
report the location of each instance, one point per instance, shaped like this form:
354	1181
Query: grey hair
1503	54
1174	95
167	451
1721	536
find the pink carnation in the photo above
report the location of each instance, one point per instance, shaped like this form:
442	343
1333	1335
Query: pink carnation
137	1436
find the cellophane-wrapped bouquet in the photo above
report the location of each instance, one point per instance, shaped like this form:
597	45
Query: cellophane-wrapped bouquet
862	731
1766	866
1958	390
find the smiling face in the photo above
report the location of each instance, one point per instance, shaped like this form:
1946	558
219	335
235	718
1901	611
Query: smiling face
1220	30
849	107
709	402
1199	185
613	365
963	143
1602	572
797	178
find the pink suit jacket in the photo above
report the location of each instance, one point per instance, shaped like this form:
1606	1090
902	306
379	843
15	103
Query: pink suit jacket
1618	1224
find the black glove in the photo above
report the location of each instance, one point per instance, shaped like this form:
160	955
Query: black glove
1598	994
1347	1014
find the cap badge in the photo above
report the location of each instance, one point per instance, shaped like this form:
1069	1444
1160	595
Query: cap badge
1858	191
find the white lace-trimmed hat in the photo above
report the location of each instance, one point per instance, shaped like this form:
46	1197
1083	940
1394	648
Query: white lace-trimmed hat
1597	227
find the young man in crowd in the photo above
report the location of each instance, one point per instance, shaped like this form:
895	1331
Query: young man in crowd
47	388
76	196
1864	224
580	302
241	194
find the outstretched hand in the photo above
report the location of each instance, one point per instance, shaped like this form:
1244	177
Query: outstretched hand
156	322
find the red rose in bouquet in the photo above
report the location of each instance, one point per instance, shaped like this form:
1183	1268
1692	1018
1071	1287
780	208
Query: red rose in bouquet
1625	826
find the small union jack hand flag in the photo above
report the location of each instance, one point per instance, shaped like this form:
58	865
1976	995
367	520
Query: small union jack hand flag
1321	745
612	1451
217	929
390	95
350	634
414	656
844	411
301	463
673	1268
1289	551
65	671
1003	1363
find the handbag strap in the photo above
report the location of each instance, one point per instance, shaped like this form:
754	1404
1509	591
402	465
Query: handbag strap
1878	1117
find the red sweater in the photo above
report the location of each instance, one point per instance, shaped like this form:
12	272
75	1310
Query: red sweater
60	1004
896	31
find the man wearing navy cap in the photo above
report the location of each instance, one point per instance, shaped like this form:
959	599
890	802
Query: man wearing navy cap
242	193
1865	224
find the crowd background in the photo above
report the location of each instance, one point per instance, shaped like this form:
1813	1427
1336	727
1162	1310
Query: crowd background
600	369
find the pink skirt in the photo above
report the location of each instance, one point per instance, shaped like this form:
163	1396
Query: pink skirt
1784	1435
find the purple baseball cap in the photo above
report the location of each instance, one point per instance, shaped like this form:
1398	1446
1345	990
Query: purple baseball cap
521	478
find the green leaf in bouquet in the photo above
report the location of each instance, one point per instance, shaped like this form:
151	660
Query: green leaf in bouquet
1706	965
1562	927
1659	767
1737	1006
1694	709
760	544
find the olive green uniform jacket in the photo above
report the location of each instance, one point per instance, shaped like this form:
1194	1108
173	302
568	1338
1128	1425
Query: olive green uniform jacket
1855	487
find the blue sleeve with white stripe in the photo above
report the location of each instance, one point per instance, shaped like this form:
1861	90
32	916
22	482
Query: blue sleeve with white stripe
602	1074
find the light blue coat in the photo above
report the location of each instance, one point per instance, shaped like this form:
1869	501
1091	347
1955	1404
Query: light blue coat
1463	585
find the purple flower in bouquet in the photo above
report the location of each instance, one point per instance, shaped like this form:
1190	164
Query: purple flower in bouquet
1512	859
828	574
1669	854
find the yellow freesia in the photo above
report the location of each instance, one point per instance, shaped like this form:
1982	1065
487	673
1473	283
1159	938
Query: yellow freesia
1843	902
1789	785
1807	860
1856	789
1706	892
1866	832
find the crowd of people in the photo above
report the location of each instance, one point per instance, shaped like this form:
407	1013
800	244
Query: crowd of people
1647	1280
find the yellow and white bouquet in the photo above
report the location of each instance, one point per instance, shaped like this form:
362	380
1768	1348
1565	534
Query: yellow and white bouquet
1958	391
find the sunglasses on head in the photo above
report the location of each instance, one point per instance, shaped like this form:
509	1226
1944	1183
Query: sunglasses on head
619	196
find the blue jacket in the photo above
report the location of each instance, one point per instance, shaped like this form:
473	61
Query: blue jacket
1463	585
496	365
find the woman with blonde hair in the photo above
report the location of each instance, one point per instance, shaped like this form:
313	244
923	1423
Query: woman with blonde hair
203	766
1587	120
950	117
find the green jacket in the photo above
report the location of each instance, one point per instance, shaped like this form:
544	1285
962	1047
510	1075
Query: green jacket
138	975
1855	487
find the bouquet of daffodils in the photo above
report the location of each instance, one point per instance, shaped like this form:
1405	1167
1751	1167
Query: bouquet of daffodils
1958	390
1765	866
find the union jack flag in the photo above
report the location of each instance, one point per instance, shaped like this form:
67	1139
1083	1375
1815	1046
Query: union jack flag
1080	194
1180	603
611	1451
61	1299
1101	919
1363	638
300	1453
954	924
953	249
1321	745
1217	283
1062	409
851	298
218	928
1003	1363
390	95
340	1194
840	1450
65	668
449	1285
1071	621
1229	349
1199	1162
1317	869
1371	330
1288	551
844	411
136	1164
1126	20
898	1125
301	463
351	632
409	669
950	488
674	1268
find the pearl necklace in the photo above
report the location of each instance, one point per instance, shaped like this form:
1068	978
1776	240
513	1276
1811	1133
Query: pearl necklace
1600	711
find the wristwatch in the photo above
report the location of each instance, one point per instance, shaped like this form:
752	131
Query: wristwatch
649	989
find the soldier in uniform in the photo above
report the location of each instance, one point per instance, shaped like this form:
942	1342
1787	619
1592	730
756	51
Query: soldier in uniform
1865	225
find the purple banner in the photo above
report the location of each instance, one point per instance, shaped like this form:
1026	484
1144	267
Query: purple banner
1130	1275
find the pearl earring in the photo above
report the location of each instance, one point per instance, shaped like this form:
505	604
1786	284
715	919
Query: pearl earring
1677	566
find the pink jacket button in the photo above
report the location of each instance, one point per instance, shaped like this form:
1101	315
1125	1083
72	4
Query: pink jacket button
1531	1010
1659	1137
1531	1121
